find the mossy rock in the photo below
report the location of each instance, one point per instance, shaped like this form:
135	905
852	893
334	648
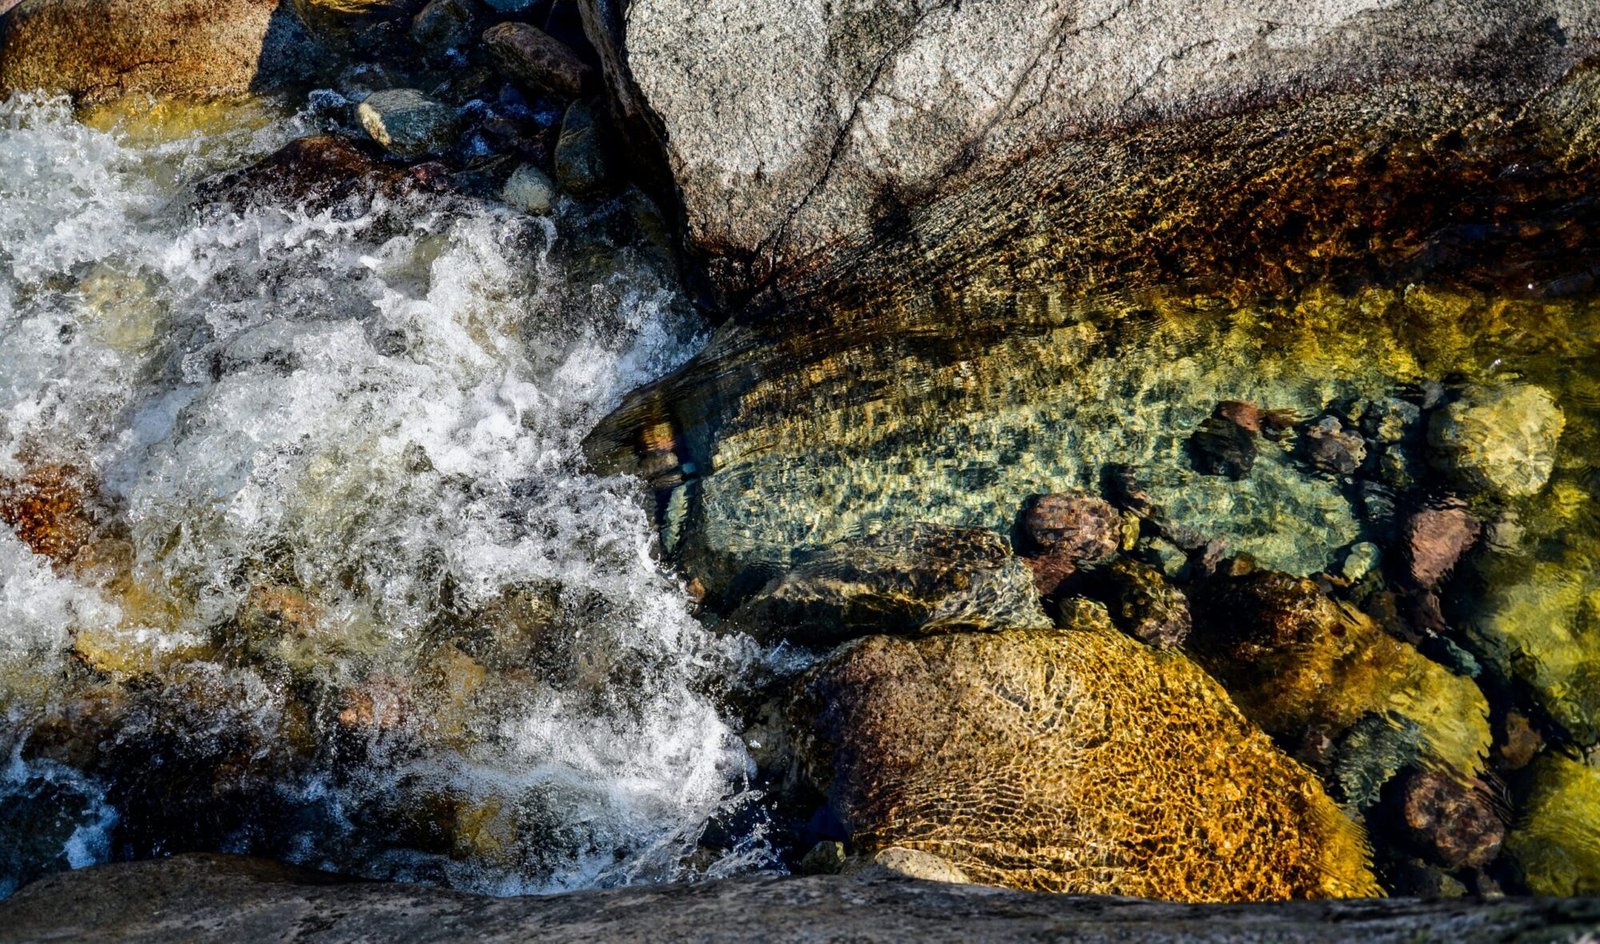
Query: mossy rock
1069	761
1556	846
1296	661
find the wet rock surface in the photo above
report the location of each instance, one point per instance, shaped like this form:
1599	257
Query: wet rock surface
916	580
217	898
1045	760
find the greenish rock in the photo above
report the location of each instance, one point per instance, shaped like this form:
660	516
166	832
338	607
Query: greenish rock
1500	439
1539	622
583	168
1369	754
1298	662
407	123
530	190
824	858
916	580
1361	559
1555	844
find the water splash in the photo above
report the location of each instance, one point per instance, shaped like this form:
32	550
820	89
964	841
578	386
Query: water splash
350	595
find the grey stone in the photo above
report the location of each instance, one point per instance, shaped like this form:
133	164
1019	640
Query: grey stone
788	125
407	122
197	898
96	50
531	190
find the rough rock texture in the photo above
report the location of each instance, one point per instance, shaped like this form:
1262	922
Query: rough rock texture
920	579
1050	761
193	899
407	123
99	49
795	127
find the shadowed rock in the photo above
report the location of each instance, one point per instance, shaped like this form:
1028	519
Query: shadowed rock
192	899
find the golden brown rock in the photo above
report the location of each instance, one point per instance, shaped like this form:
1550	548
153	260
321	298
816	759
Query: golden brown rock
1056	761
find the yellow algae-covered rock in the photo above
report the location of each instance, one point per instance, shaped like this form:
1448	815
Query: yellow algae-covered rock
1297	662
1557	845
1069	761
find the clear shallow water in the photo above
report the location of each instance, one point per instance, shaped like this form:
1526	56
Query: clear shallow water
329	580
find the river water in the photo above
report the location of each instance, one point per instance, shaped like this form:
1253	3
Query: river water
321	573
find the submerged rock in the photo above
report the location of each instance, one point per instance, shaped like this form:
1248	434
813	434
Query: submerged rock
1555	844
1143	604
1295	661
1050	760
1331	448
95	50
1539	623
1225	446
316	172
1500	439
1452	822
1062	533
921	579
1434	540
407	122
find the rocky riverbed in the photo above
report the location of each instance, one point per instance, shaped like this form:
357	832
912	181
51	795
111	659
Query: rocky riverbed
533	445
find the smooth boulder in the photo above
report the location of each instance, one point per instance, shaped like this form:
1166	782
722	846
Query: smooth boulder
97	50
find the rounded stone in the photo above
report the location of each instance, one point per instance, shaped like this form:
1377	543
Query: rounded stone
1080	528
530	190
1499	439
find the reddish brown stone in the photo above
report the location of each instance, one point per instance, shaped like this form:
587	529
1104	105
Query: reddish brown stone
1451	822
1434	540
48	508
1076	528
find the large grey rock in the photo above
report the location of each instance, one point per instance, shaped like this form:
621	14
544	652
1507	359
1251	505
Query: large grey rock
796	128
95	50
200	899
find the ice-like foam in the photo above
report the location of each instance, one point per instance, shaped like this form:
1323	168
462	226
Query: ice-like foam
378	419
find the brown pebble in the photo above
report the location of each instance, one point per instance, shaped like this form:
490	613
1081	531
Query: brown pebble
1451	822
